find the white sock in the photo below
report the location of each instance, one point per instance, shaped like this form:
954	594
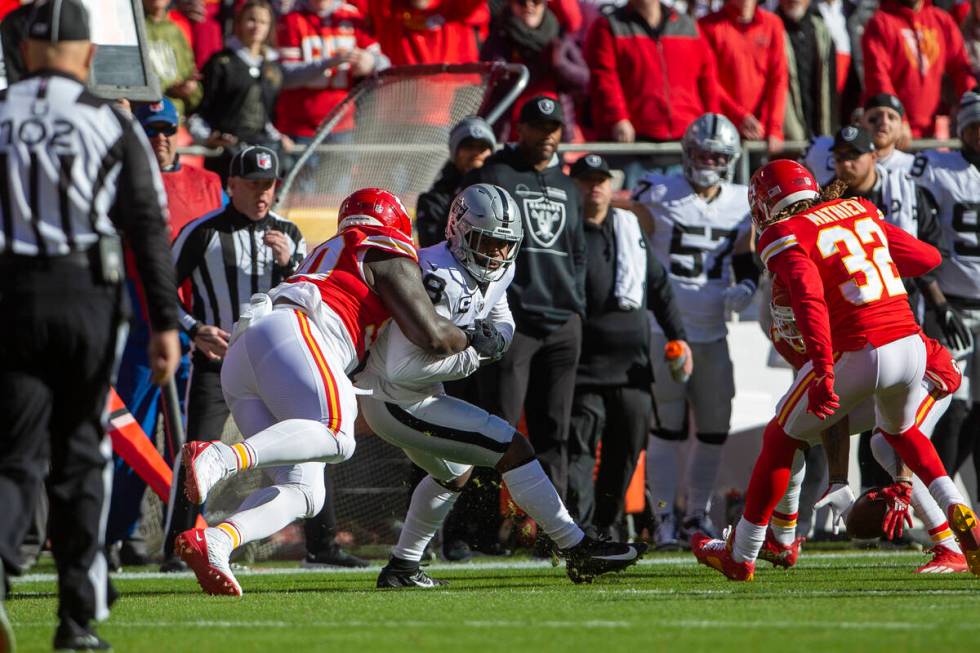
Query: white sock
944	491
932	516
783	522
430	504
748	541
266	511
663	463
702	473
295	441
534	493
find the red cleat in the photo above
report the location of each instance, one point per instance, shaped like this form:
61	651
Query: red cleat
780	555
208	557
964	524
203	469
717	554
944	561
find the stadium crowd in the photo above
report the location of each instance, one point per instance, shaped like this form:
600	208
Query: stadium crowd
256	78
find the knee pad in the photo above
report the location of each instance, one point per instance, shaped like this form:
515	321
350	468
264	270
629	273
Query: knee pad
884	453
713	438
669	434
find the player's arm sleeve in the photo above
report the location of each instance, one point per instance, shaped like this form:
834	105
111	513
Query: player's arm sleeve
608	101
912	257
805	286
140	213
660	299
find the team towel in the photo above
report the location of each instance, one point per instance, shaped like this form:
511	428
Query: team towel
631	260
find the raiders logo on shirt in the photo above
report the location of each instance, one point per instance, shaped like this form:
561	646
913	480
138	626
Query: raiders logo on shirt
545	220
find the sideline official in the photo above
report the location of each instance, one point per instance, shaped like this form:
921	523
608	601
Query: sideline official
73	170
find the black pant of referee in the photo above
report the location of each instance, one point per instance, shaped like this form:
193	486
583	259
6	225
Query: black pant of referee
59	337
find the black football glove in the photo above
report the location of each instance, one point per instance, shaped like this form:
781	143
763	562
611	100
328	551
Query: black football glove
955	333
486	340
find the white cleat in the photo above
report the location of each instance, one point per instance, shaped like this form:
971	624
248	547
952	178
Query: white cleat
207	551
203	469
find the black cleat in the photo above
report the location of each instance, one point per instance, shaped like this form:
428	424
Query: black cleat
389	578
173	565
334	557
72	637
591	557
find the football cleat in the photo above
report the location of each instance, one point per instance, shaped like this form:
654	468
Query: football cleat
964	524
717	554
392	578
591	557
207	555
779	554
944	561
70	636
699	523
665	534
203	469
334	556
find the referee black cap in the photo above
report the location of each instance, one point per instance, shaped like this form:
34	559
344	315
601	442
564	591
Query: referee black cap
59	20
255	162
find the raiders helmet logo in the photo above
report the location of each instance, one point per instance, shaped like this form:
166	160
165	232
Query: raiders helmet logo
593	161
849	133
546	106
264	161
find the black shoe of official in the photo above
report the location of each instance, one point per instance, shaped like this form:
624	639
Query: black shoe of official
72	637
133	553
392	577
334	556
6	632
173	565
591	557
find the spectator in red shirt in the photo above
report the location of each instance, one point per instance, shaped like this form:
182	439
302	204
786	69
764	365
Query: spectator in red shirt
202	21
749	45
652	75
908	46
428	31
527	32
317	30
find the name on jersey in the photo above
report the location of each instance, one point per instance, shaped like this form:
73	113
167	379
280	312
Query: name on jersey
834	212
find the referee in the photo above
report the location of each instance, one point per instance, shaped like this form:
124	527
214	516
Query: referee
228	255
74	171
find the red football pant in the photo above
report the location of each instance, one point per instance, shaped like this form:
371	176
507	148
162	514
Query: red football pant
918	453
770	476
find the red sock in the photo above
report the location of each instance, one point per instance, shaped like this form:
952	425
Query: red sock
770	476
918	453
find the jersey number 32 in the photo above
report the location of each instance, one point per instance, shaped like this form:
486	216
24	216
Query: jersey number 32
872	271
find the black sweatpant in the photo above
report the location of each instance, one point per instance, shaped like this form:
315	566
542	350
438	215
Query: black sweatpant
538	376
59	338
207	413
618	417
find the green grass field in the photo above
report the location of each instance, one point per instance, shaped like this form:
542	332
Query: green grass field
833	601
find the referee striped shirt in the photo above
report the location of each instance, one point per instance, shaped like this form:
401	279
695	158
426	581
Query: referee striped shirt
226	260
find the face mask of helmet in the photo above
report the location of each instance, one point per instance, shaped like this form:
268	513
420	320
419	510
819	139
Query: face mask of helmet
706	166
784	323
486	256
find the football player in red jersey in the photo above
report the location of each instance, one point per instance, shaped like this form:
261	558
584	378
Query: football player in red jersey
941	379
842	266
285	376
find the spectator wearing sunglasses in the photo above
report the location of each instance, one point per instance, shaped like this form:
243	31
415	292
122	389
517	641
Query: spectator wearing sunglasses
191	192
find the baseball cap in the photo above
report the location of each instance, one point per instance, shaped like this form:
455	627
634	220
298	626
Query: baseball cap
968	111
255	162
884	100
59	20
542	108
853	138
590	164
471	127
154	112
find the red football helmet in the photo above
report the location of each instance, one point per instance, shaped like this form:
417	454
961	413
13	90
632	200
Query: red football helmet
374	206
777	185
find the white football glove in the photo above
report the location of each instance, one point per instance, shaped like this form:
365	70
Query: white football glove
840	499
738	297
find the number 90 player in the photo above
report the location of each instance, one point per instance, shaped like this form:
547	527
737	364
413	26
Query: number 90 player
954	180
466	278
699	220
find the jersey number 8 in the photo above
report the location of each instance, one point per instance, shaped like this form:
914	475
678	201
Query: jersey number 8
879	272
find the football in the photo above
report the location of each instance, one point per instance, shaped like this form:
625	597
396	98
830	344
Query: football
866	515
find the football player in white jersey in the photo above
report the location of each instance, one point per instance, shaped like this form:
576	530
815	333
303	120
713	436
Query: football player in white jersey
467	278
700	220
883	118
954	180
